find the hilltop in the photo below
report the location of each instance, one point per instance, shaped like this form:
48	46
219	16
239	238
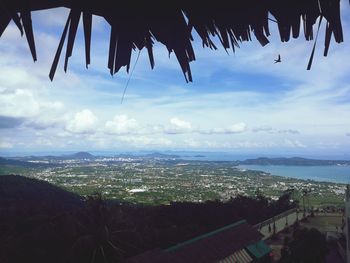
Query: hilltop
80	155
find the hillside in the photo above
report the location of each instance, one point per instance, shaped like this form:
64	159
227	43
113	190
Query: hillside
80	155
6	161
18	192
40	222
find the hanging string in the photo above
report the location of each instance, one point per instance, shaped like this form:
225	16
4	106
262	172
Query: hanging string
132	71
314	47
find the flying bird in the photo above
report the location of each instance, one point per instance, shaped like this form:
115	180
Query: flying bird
278	60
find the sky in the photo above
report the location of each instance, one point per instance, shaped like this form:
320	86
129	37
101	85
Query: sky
238	102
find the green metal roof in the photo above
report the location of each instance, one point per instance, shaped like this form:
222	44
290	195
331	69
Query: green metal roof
259	249
173	248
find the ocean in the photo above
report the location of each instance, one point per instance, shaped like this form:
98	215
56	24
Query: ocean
332	173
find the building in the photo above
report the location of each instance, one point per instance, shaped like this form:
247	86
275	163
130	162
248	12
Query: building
237	243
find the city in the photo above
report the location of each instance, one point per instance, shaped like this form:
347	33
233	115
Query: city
164	180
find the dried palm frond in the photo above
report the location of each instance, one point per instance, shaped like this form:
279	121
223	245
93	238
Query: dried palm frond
138	24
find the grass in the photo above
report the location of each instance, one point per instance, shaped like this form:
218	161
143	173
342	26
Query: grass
324	222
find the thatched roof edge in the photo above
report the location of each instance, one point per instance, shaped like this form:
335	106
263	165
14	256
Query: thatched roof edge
137	25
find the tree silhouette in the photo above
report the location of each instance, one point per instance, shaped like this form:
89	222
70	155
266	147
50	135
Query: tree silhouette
308	245
95	244
42	223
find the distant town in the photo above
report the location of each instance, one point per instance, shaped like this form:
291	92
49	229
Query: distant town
162	179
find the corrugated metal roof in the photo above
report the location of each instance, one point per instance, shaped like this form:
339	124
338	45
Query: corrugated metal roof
211	247
173	248
240	256
259	249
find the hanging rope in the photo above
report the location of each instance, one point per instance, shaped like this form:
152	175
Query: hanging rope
314	47
132	71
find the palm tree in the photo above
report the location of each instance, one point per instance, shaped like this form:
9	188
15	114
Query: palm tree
95	244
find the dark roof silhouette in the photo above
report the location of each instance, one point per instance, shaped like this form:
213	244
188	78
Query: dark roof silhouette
137	24
210	247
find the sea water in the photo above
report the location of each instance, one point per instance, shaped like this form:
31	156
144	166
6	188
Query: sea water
331	173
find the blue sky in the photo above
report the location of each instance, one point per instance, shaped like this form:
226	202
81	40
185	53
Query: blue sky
240	102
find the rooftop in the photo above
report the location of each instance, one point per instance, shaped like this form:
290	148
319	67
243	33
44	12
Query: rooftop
234	240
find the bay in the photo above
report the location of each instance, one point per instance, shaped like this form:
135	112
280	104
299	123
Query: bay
332	173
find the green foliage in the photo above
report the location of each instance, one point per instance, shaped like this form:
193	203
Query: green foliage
308	245
44	223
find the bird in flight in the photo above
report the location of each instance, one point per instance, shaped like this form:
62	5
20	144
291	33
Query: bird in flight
278	60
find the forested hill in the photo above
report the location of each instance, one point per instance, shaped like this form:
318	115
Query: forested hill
6	161
42	223
295	161
17	192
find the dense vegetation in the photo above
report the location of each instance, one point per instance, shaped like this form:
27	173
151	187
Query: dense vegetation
43	223
308	245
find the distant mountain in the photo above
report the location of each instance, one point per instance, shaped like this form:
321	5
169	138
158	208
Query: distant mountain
5	161
48	158
80	155
11	162
295	161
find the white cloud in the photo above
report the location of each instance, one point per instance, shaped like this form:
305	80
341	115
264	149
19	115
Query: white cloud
30	109
289	131
122	124
44	142
143	141
180	123
271	130
165	141
294	144
178	126
232	129
63	134
263	129
29	101
83	122
192	143
5	145
19	103
237	128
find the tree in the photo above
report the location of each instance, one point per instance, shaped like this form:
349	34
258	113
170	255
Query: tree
95	243
308	245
